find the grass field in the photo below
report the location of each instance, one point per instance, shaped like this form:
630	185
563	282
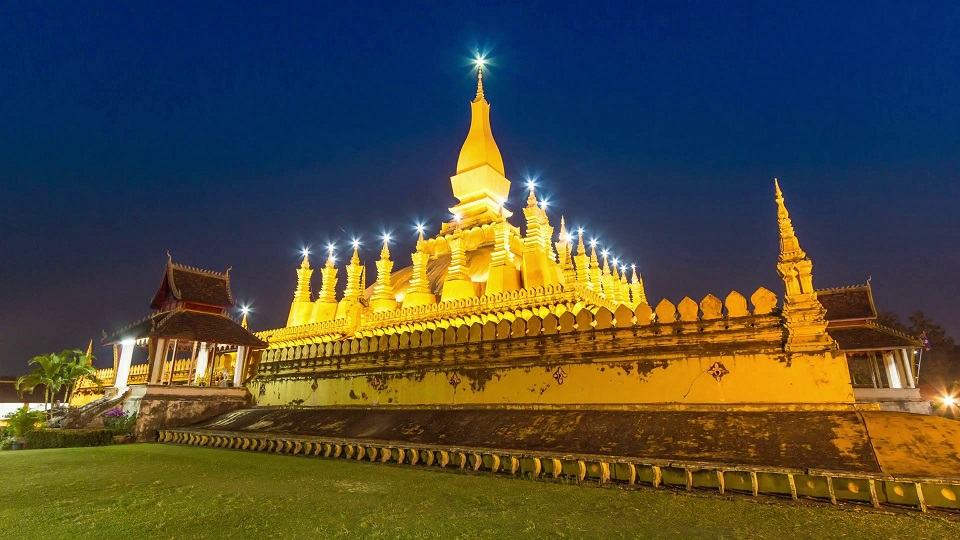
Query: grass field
162	491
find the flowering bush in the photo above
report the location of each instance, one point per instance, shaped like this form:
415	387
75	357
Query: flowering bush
119	422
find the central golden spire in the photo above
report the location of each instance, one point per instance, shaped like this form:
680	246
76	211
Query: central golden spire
480	184
479	149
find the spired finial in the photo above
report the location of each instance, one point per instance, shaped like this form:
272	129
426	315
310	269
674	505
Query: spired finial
356	253
789	244
243	322
781	208
479	62
532	197
385	252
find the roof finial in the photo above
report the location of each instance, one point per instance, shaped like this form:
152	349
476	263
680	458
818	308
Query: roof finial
356	253
532	198
385	252
781	209
789	244
479	80
243	322
330	258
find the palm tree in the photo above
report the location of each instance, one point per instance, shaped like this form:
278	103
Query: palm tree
56	372
76	367
46	374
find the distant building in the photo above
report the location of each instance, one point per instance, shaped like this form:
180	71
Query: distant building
10	400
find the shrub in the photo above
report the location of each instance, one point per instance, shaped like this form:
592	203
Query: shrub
119	422
5	444
23	421
68	438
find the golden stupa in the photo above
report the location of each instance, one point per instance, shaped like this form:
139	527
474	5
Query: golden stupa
483	278
478	256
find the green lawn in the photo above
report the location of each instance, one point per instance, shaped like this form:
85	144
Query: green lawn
163	491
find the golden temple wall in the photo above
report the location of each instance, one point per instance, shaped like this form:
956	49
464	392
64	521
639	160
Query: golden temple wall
703	353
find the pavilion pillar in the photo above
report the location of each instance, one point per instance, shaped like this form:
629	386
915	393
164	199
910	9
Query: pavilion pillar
239	366
156	363
202	356
174	349
893	374
908	368
123	365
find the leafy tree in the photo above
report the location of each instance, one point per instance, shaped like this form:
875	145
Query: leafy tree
892	320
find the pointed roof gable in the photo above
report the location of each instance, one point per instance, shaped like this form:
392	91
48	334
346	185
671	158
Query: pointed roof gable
188	325
186	284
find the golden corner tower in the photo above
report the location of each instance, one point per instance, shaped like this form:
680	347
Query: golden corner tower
512	346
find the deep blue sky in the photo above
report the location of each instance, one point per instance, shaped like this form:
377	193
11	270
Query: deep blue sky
233	135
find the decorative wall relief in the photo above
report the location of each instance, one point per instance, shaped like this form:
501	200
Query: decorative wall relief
718	370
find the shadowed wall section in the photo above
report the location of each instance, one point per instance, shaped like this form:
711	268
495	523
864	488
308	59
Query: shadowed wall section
825	440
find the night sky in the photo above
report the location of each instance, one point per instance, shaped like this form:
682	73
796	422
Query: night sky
232	136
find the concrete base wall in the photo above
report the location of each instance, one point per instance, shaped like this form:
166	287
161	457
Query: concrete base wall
160	407
894	399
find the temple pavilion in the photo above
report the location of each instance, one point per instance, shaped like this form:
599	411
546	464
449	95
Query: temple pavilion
190	339
884	363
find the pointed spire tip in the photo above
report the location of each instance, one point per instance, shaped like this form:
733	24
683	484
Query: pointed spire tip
479	83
